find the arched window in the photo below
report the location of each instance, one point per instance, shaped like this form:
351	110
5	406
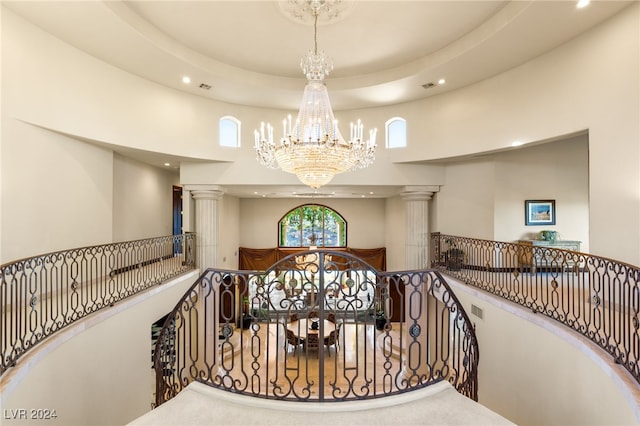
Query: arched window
312	225
229	132
396	132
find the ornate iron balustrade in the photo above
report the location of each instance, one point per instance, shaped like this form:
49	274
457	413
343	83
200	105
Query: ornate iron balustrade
317	326
43	294
597	297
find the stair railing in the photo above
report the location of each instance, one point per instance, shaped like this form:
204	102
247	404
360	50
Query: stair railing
317	326
595	296
43	294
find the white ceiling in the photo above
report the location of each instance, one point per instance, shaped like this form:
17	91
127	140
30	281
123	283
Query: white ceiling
249	51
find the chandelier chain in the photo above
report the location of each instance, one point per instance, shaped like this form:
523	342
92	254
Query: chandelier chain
315	31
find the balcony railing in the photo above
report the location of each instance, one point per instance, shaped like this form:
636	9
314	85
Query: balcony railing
317	326
43	294
597	297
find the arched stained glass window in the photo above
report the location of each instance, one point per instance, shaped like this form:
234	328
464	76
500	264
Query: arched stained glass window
312	225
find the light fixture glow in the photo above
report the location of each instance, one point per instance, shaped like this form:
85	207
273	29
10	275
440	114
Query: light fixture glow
312	146
167	164
442	81
186	79
516	143
583	3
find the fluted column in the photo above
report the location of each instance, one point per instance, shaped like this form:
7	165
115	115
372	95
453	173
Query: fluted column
417	207
206	223
417	257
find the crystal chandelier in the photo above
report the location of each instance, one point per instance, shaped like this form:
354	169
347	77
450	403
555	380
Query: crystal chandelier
312	147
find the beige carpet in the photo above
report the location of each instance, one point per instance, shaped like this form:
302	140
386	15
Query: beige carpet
439	404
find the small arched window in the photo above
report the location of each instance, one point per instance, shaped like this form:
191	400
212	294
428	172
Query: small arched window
312	225
396	132
229	132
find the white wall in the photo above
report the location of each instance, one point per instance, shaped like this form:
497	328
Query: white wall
536	372
567	90
59	193
102	375
484	198
56	192
365	220
557	171
143	200
84	96
465	202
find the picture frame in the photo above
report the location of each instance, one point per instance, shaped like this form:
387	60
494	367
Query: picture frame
539	212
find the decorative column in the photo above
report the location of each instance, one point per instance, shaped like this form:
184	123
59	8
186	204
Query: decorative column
417	348
418	239
206	199
206	226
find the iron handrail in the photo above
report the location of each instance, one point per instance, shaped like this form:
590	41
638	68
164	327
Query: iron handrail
594	296
43	294
248	332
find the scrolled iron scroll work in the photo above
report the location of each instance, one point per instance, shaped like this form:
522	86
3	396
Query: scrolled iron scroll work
43	294
311	334
595	296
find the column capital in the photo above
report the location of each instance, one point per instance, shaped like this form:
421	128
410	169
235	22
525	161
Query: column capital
205	192
419	192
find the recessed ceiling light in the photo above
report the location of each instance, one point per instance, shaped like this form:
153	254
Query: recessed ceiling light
167	164
186	79
583	3
442	81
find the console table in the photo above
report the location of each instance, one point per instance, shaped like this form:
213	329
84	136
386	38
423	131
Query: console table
539	258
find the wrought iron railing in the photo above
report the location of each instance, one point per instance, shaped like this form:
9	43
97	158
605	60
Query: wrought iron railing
43	294
317	326
597	297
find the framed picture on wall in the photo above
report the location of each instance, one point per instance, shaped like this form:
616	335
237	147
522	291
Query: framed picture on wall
539	212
